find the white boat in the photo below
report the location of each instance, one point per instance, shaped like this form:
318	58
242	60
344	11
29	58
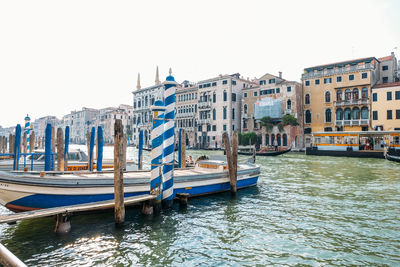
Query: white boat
23	191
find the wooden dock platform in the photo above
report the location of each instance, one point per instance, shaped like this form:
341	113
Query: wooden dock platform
100	205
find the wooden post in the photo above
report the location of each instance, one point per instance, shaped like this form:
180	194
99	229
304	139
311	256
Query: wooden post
47	148
140	152
119	207
43	141
254	154
125	147
11	144
88	148
66	148
182	145
39	142
1	144
91	147
229	160
234	160
32	142
24	144
60	150
53	146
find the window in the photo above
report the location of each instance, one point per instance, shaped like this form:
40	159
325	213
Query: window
375	115
278	90
355	93
233	97
200	86
224	82
255	93
233	82
397	114
364	75
316	81
327	80
214	114
339	114
224	113
214	98
224	127
245	109
347	114
388	95
339	96
289	88
389	114
233	114
271	81
385	67
307	99
339	79
289	104
347	94
385	80
214	84
225	96
364	93
364	113
263	82
327	97
328	115
397	95
374	97
307	83
356	113
214	128
351	77
245	95
308	116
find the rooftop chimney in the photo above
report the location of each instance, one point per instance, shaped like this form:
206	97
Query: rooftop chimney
280	75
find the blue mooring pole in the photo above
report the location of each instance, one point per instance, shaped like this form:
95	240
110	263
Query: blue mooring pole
157	139
91	146
47	148
169	141
180	149
17	147
140	153
100	143
66	142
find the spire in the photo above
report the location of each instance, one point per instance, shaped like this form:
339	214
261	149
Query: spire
157	77
138	82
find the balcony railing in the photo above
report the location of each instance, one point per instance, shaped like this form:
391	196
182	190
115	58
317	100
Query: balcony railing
351	122
351	102
182	115
337	71
245	116
204	105
288	111
204	121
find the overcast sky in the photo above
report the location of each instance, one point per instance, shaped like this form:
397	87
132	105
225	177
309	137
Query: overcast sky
59	56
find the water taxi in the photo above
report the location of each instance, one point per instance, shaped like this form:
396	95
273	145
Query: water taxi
364	144
393	152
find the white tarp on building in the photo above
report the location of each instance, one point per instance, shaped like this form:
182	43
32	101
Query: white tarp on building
268	107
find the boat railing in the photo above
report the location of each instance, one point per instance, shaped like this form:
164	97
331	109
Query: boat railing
32	158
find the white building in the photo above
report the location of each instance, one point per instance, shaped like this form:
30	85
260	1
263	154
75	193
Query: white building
80	123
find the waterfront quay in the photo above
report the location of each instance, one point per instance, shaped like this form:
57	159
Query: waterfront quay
306	210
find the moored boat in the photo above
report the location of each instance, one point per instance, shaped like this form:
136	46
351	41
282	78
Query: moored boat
265	153
21	191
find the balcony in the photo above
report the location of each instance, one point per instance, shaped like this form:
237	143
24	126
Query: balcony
288	111
343	70
245	116
351	102
204	105
204	121
185	115
352	122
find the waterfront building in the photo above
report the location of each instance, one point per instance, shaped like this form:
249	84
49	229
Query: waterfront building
79	123
218	108
39	125
389	71
337	96
6	131
272	96
386	106
186	115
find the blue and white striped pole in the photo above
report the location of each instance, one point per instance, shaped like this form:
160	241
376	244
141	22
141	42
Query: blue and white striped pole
169	141
27	131
157	139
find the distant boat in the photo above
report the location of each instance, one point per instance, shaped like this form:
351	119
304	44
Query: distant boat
392	157
266	153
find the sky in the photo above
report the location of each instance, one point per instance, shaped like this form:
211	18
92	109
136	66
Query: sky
60	56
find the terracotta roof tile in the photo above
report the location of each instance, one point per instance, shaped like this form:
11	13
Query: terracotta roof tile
384	85
385	58
341	62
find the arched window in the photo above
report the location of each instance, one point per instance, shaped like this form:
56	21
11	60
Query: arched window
364	113
152	100
356	113
347	114
355	93
284	139
214	97
272	139
339	114
267	139
327	97
347	94
146	101
289	104
308	116
224	113
339	95
214	114
245	108
278	138
307	99
328	115
225	96
364	93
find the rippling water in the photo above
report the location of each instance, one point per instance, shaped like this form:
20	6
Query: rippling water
305	210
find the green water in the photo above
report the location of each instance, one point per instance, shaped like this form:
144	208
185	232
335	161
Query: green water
305	210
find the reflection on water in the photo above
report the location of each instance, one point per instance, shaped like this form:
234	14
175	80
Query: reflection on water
306	210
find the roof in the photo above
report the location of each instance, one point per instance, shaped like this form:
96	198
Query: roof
342	62
385	58
385	85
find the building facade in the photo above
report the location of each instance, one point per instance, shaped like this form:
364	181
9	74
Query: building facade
80	123
386	106
286	95
39	125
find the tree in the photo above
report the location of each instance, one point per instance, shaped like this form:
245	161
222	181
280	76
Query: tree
289	120
268	123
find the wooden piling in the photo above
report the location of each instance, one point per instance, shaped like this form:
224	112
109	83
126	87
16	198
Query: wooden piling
254	154
32	142
1	144
234	161
11	144
24	144
124	147
229	160
60	150
88	148
119	207
39	142
183	149
53	146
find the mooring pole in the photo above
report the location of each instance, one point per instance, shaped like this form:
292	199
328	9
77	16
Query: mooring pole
88	148
169	141
100	143
157	139
119	208
229	159
53	147
32	142
17	147
140	152
60	150
47	148
91	147
234	161
24	144
11	144
66	148
182	149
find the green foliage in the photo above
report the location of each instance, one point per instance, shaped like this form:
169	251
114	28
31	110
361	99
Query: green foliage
289	120
280	127
247	138
268	123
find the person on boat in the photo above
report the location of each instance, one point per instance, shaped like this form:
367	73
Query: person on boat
189	160
382	143
276	145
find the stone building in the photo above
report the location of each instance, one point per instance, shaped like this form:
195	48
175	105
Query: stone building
274	97
79	122
386	106
388	69
39	125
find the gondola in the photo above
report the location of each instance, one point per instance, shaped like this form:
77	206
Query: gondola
267	153
392	157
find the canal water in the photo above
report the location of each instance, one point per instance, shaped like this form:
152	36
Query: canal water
306	210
